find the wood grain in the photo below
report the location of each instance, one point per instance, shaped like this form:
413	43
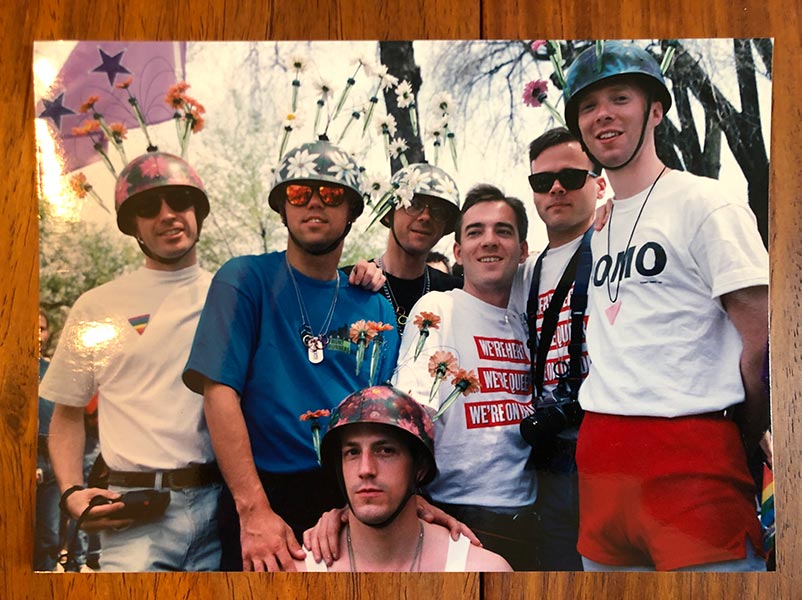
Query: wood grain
22	22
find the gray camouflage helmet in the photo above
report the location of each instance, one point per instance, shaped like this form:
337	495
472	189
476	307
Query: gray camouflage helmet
319	161
425	180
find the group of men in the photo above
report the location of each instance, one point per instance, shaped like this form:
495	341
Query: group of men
203	382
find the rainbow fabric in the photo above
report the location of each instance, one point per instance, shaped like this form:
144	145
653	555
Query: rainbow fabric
139	323
767	510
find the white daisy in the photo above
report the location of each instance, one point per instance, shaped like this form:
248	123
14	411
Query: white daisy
344	168
386	124
397	147
301	165
404	94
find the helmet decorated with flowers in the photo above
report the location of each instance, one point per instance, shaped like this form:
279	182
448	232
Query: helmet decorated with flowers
382	405
425	180
151	171
318	162
617	59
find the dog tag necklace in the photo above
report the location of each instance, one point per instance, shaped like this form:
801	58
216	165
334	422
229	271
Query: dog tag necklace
314	343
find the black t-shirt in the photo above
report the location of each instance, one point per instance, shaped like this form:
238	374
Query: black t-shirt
404	293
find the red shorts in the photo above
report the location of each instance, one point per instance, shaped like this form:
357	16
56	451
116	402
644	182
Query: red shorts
671	493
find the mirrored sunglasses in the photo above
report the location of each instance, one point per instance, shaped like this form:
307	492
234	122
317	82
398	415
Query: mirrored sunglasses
300	195
570	179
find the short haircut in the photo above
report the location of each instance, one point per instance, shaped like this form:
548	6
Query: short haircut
556	137
435	256
484	192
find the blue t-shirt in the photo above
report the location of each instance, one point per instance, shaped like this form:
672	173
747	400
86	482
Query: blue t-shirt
248	338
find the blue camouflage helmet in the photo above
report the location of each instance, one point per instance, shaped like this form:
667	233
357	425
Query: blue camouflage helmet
617	59
319	161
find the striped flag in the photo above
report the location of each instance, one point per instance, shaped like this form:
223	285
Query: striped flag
767	510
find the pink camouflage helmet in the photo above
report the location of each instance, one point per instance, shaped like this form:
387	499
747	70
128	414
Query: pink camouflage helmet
383	405
156	170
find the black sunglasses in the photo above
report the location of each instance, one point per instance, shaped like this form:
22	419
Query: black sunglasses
149	204
300	195
570	179
438	210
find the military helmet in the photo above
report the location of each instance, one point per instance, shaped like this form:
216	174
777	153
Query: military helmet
156	170
617	59
318	161
383	405
426	180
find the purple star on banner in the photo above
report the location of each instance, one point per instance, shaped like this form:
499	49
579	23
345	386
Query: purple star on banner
110	65
55	109
154	66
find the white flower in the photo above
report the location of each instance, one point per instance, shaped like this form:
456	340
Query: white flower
397	147
445	185
324	87
344	168
293	121
418	181
404	94
369	64
297	62
388	81
437	126
441	102
386	124
375	185
301	165
404	195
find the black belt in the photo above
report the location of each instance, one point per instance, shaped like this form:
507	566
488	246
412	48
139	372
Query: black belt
176	479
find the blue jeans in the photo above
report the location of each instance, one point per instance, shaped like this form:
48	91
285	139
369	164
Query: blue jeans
46	540
185	538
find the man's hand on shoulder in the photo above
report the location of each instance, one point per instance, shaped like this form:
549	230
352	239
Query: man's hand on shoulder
367	275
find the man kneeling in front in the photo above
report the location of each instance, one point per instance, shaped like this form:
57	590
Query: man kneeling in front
380	447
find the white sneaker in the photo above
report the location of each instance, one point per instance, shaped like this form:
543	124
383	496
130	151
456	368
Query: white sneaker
86	569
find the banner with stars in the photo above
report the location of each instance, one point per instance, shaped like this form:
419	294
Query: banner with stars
103	69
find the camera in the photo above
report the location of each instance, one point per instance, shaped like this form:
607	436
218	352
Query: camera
554	412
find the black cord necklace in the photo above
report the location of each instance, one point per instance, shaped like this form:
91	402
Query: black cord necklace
614	299
387	291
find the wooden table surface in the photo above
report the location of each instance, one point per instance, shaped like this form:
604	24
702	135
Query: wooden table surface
22	22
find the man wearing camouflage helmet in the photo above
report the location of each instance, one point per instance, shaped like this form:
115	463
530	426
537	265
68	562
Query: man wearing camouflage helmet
281	335
425	208
380	449
127	340
678	296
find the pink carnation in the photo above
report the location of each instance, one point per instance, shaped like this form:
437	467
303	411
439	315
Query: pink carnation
535	93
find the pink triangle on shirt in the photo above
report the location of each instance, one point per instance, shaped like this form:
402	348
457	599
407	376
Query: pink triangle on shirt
612	312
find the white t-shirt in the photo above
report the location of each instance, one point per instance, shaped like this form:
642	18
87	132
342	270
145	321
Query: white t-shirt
128	340
480	453
659	339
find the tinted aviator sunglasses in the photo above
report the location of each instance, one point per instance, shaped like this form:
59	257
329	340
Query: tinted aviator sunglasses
437	210
300	195
150	204
570	179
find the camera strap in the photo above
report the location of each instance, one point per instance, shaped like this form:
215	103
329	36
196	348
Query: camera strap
577	273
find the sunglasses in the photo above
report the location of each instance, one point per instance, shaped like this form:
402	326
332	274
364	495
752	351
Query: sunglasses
439	211
570	179
300	195
150	205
